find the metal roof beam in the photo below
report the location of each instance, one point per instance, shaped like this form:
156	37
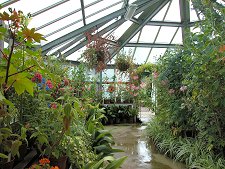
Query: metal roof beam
68	14
170	24
7	3
96	24
185	17
48	8
157	34
100	33
83	12
152	45
147	15
77	21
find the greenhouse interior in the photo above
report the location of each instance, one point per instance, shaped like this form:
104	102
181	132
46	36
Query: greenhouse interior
102	84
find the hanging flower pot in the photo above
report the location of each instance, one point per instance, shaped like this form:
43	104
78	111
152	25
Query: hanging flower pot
123	62
94	59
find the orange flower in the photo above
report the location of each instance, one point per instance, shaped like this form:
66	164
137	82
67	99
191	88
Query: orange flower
44	161
222	48
111	89
56	167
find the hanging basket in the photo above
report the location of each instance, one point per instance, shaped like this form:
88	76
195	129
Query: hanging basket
123	66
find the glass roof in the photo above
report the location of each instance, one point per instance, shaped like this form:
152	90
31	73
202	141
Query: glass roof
155	26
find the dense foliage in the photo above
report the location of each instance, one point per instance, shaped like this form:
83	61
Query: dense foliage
48	105
190	92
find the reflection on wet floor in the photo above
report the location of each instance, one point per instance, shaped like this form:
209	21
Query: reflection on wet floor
141	155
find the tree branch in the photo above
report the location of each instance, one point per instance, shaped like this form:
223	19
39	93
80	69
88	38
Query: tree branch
21	71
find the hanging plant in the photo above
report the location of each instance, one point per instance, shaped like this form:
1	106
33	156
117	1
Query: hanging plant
97	53
123	62
145	70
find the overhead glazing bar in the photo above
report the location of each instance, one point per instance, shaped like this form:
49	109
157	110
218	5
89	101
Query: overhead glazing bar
48	8
7	3
77	21
83	12
64	16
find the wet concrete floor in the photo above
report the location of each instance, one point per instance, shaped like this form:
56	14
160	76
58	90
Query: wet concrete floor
141	155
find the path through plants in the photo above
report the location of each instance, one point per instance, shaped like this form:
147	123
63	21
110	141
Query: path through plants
141	154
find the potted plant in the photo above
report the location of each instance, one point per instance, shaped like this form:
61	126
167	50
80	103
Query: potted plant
97	53
133	114
95	58
123	62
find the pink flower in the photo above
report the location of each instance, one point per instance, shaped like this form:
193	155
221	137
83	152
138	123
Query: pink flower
135	94
142	85
171	91
135	77
136	88
183	88
49	84
155	74
132	86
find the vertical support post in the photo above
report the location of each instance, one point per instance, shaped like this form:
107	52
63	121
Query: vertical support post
1	41
100	83
185	17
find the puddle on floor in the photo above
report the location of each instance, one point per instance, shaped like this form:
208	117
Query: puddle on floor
141	155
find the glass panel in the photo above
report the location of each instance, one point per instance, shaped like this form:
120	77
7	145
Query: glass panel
148	34
174	12
155	54
193	15
165	34
141	55
159	16
121	29
77	55
178	38
92	9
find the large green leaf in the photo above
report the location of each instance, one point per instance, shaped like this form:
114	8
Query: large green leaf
15	147
3	155
67	109
29	86
116	164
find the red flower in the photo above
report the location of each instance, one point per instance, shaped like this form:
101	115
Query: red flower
37	78
53	105
49	84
